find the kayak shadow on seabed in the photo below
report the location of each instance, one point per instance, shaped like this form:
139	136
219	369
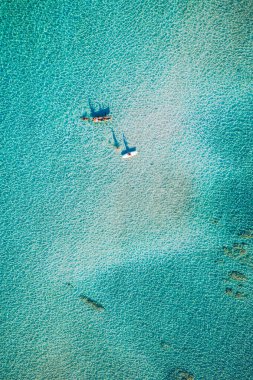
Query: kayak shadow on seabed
116	143
128	152
97	116
101	112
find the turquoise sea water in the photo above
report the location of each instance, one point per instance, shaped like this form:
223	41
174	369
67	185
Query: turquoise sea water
144	237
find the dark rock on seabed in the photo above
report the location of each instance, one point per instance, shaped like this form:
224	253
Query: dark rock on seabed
237	276
90	302
237	295
247	234
180	374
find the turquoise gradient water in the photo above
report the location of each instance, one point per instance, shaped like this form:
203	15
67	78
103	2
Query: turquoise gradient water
142	237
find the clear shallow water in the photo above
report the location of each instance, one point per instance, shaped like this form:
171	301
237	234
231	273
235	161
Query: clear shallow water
144	238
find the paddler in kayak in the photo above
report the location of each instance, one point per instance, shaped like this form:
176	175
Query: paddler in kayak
99	119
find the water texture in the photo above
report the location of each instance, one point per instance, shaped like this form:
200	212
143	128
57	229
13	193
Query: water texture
136	269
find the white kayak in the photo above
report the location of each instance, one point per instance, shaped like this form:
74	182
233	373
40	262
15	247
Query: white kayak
128	152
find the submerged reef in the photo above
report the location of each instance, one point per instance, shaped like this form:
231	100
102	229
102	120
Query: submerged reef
246	234
90	302
236	279
237	276
235	294
229	291
180	374
220	261
239	252
240	295
165	346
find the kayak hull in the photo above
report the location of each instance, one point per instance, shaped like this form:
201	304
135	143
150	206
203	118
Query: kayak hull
129	153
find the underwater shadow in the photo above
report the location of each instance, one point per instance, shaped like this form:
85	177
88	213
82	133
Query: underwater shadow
116	143
100	112
128	151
